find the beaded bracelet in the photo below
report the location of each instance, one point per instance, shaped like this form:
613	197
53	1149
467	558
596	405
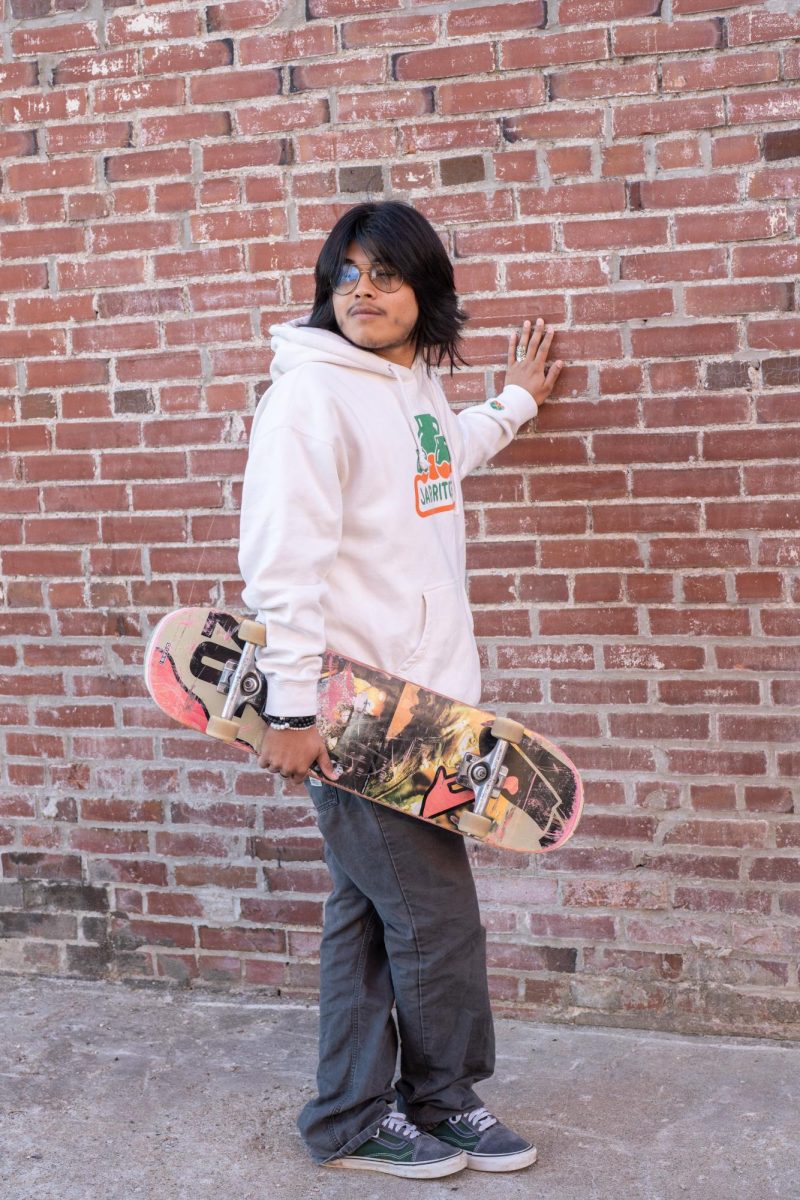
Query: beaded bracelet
290	722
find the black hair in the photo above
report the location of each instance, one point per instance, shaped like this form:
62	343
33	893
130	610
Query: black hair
396	235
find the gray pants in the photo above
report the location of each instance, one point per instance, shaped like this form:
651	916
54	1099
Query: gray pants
402	928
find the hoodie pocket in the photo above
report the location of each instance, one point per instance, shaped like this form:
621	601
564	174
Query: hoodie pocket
444	613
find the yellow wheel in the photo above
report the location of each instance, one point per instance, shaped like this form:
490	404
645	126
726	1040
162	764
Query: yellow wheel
252	631
226	731
473	824
510	731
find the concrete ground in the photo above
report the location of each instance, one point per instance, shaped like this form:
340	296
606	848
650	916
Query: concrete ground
110	1092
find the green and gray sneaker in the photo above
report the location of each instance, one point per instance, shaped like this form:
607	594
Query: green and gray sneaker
488	1144
399	1148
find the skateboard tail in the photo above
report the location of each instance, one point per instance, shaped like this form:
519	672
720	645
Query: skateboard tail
513	829
163	680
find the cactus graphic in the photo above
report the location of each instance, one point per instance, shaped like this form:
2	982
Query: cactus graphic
431	439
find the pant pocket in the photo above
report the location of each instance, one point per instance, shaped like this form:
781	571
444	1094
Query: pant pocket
324	796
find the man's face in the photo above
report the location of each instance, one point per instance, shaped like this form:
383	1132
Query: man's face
388	318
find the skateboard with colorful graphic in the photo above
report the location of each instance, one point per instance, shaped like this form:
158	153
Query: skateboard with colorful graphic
392	741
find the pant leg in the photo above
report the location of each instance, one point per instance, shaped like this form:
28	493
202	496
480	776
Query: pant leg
418	881
357	1035
437	954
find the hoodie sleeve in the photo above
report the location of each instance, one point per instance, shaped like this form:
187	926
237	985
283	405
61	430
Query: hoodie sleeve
486	429
291	525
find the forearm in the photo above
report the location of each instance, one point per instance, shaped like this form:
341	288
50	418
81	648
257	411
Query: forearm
488	428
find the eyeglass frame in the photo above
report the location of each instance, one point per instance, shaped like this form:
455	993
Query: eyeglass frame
368	271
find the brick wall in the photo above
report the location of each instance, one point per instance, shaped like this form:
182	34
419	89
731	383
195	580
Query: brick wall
629	170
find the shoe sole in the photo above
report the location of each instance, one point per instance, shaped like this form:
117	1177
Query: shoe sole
502	1162
431	1170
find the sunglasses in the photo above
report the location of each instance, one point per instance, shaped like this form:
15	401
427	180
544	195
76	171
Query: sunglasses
386	279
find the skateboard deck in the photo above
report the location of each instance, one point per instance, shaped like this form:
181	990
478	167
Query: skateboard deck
393	742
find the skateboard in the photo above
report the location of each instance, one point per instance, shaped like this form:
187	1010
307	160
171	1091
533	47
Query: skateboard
392	741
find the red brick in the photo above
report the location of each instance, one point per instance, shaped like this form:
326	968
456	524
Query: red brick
668	116
718	833
776	870
652	657
759	729
708	692
597	587
768	799
700	552
561	657
388	31
199	875
551	49
391	104
717	762
245	938
635	517
619	80
600	893
713	796
491	95
579	622
109	841
443	62
705	589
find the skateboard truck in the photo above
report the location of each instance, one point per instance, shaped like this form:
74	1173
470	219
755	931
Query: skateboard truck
241	682
484	775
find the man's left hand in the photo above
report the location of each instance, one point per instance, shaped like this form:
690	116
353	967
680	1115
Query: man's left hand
529	372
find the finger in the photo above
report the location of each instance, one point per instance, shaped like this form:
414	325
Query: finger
524	340
321	767
539	335
329	768
512	347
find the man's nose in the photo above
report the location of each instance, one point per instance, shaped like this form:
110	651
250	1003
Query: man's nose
365	286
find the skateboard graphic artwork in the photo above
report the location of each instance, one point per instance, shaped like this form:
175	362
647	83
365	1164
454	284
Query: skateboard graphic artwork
393	742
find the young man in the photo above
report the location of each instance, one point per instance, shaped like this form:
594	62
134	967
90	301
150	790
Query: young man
352	536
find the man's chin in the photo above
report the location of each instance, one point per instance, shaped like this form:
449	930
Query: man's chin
365	342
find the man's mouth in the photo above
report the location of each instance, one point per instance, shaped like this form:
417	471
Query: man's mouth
365	312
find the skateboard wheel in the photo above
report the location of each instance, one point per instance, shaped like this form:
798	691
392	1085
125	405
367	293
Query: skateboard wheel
252	631
473	824
510	731
226	731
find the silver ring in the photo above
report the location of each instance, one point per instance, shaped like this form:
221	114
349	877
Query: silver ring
520	352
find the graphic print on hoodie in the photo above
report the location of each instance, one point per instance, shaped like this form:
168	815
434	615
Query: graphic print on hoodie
433	483
352	521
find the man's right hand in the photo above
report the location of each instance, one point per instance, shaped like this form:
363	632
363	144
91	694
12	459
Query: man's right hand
291	752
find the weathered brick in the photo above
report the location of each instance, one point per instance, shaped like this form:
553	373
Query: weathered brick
633	562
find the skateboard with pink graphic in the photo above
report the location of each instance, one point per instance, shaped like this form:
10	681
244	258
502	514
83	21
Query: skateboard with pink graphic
395	743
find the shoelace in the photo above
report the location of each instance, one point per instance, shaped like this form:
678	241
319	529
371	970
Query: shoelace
481	1118
396	1123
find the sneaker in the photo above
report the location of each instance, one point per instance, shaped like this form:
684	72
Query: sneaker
399	1148
488	1144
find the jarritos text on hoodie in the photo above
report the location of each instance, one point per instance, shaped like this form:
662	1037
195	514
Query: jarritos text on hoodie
433	483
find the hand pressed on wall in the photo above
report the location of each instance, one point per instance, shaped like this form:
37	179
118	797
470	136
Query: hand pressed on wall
527	355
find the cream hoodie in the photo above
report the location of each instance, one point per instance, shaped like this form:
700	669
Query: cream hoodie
352	523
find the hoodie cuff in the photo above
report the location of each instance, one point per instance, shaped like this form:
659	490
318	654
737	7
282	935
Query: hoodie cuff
289	698
520	401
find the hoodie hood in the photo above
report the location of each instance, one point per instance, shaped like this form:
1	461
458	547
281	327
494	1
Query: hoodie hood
294	344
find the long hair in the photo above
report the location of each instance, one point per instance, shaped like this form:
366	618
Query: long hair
395	234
